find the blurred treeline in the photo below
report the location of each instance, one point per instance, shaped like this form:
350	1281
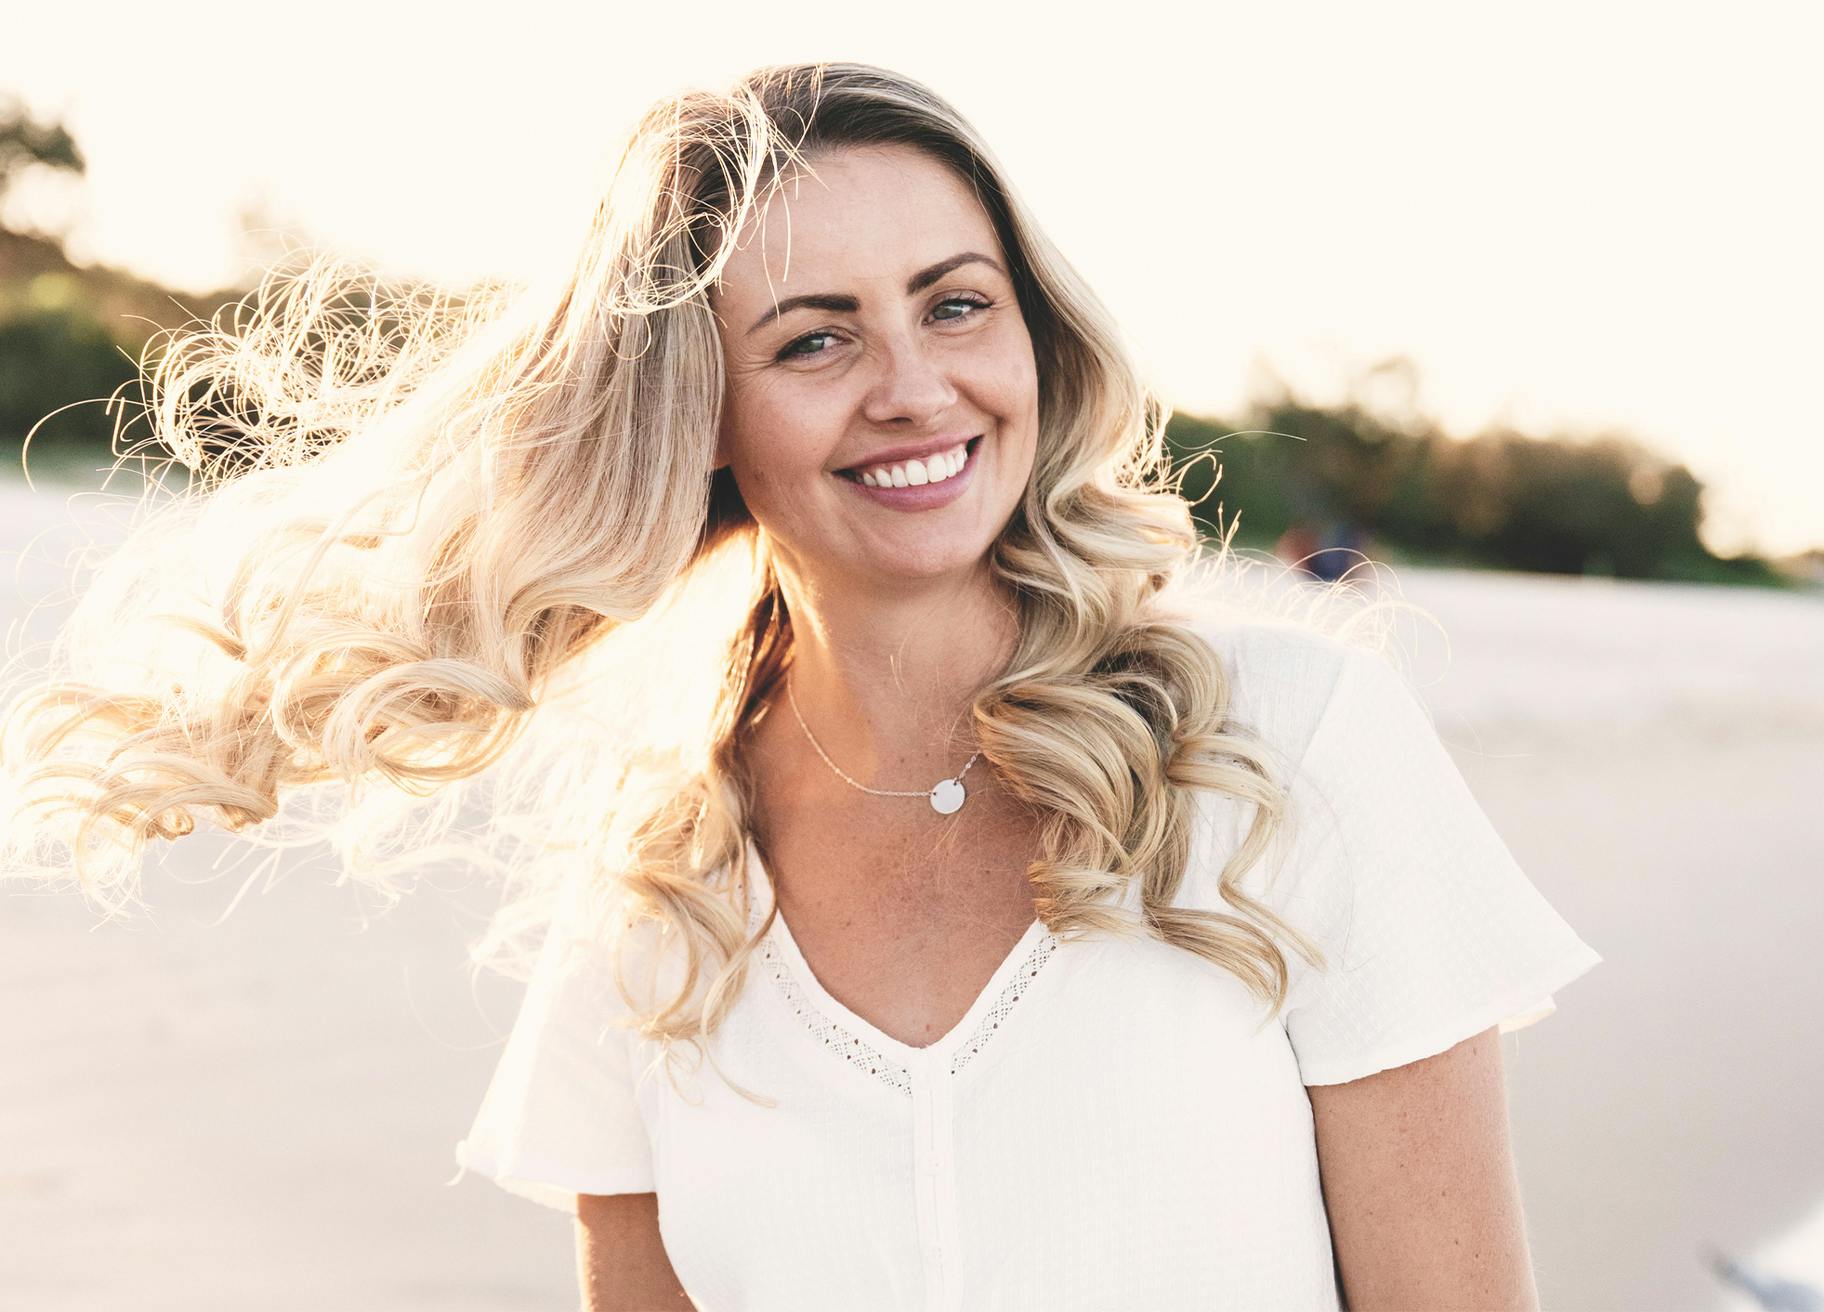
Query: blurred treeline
1398	488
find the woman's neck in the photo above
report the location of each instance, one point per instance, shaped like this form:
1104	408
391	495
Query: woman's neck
884	681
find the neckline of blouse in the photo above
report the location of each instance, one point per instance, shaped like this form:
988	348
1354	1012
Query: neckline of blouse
1024	955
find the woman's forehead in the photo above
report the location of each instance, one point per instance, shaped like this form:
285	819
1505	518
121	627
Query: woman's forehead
870	215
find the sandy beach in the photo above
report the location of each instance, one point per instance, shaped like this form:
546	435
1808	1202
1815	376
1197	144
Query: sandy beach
258	1109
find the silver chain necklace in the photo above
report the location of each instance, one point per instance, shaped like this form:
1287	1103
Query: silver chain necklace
946	795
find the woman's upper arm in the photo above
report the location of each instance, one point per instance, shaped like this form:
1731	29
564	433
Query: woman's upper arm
621	1260
1419	1182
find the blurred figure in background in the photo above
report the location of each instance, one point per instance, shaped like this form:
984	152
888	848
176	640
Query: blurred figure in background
1325	549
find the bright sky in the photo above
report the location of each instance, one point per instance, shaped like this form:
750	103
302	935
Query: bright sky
1593	215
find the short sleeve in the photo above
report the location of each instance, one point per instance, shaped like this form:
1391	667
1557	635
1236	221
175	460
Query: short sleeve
560	1116
1432	931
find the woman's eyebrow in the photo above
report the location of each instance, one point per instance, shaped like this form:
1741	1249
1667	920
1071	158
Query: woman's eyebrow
846	304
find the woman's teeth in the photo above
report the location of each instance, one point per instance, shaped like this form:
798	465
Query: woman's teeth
916	473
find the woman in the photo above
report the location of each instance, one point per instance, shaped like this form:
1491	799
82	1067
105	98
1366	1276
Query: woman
969	868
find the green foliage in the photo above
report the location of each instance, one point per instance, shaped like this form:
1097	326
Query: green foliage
25	141
1497	500
58	365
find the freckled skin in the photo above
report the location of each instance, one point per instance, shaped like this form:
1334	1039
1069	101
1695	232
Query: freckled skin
900	369
897	617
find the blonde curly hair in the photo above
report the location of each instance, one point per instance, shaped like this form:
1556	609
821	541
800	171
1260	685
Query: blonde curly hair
451	546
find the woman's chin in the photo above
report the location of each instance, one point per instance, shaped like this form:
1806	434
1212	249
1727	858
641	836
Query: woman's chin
902	569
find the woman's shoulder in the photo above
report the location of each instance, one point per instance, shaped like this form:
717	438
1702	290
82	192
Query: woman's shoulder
1285	647
1280	675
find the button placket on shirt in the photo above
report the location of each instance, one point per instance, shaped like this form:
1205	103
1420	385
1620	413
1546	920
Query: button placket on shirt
932	1103
927	1076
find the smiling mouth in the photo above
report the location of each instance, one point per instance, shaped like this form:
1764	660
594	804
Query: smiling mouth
969	450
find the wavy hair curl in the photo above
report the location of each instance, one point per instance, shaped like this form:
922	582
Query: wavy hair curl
472	549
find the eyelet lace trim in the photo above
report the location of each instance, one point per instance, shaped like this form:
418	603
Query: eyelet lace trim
852	1049
863	1055
1015	990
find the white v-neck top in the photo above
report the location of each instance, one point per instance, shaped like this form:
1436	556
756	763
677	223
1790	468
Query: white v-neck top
1111	1125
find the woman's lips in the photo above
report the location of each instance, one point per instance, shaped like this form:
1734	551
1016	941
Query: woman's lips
926	496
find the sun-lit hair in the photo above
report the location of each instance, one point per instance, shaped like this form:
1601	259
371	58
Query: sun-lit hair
456	577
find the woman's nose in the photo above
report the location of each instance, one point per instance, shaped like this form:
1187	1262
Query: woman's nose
914	383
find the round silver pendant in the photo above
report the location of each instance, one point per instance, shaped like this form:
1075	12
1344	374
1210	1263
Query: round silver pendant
948	797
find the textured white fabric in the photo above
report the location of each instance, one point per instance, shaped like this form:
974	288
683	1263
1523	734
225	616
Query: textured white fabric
559	1117
1111	1125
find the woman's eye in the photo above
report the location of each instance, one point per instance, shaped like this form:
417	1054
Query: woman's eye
791	350
973	302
